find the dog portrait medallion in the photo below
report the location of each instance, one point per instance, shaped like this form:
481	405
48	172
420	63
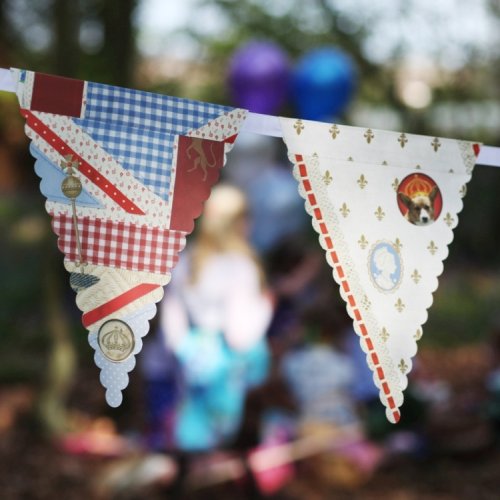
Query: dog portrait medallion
419	199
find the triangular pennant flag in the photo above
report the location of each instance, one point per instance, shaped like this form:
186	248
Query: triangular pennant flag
384	205
125	174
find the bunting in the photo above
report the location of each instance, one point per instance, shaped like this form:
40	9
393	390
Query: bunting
125	174
384	205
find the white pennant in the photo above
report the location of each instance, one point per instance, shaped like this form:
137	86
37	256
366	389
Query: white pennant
384	205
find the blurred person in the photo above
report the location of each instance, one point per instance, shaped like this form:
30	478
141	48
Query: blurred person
320	376
213	318
293	268
162	377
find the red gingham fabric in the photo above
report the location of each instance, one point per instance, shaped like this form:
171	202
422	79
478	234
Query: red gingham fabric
119	244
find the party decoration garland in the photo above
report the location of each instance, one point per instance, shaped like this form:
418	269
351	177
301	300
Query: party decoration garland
144	164
126	172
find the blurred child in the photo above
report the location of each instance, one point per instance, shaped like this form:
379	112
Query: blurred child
320	376
214	317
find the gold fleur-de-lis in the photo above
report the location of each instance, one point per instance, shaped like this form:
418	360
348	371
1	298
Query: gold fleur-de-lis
363	242
449	219
344	210
395	184
369	135
403	366
463	191
379	213
416	276
398	244
327	178
334	131
298	126
403	140
362	182
432	248
366	302
399	305
436	144
384	334
418	334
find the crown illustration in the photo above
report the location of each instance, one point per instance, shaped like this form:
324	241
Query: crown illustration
116	340
418	186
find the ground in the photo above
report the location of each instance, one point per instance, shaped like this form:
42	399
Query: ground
464	461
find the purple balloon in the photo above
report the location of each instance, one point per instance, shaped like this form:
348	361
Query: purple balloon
258	77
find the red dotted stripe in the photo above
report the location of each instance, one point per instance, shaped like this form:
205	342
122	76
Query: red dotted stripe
84	167
345	286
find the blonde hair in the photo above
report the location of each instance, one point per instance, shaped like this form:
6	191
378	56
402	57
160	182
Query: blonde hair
221	229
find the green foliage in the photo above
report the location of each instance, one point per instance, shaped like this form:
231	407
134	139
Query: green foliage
464	307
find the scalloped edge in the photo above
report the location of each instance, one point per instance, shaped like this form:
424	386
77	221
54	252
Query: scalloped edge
396	394
114	375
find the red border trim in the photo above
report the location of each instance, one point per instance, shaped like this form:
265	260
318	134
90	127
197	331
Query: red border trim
358	318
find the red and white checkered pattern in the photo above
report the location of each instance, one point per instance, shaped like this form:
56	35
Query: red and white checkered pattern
120	244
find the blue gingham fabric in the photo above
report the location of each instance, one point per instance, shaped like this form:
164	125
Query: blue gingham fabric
138	128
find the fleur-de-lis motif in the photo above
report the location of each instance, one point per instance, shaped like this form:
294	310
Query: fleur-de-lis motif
403	366
432	248
327	178
384	334
418	334
436	144
363	242
385	162
399	305
350	158
416	276
369	135
449	219
463	191
334	131
402	140
344	210
379	213
398	244
395	184
366	302
362	182
298	126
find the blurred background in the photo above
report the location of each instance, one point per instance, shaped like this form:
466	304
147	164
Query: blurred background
417	66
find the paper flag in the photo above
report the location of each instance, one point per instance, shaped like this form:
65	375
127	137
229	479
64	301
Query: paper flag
384	205
125	174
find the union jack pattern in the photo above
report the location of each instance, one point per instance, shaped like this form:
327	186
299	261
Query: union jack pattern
121	148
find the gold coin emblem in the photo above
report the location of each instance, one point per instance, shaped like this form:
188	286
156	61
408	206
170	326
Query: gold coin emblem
116	340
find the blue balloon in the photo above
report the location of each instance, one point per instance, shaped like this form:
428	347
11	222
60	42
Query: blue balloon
323	84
